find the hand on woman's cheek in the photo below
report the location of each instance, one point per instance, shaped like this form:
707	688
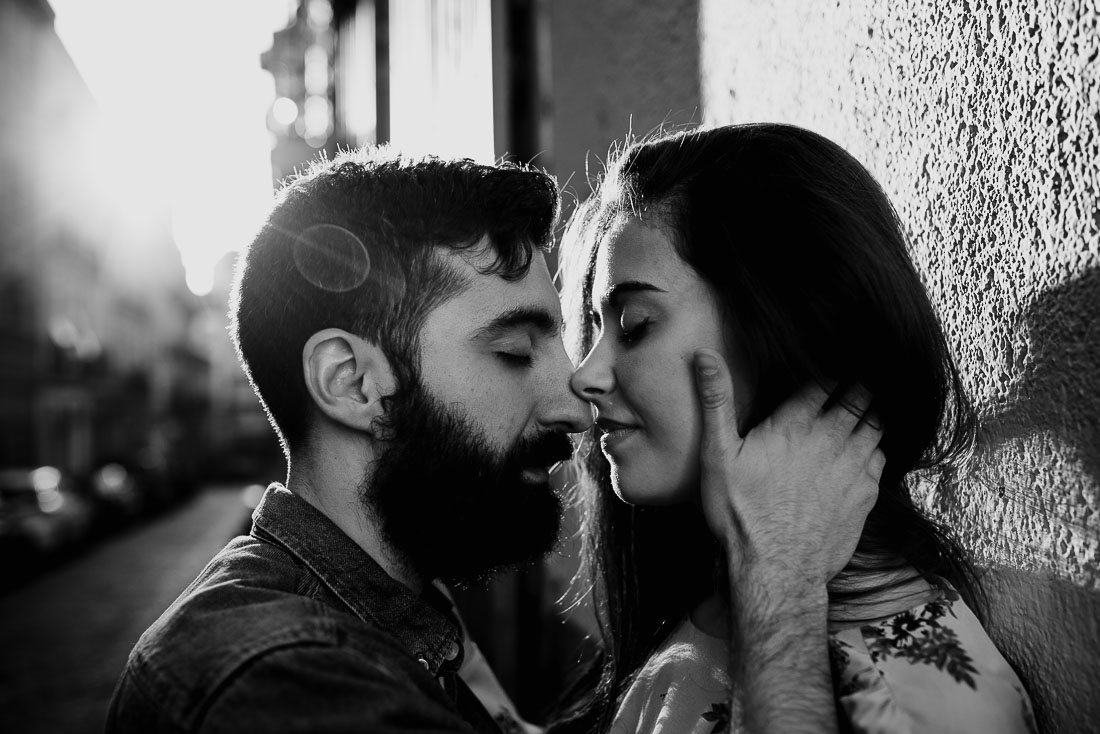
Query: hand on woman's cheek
788	501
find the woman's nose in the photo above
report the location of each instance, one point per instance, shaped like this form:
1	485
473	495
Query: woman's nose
593	378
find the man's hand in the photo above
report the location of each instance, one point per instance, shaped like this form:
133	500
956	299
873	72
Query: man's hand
791	497
788	503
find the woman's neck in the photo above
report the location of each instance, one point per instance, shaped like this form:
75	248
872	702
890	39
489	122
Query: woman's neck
711	616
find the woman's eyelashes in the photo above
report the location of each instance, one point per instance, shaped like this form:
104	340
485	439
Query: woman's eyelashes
631	330
631	327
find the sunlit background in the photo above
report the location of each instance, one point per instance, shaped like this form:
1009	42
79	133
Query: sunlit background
182	82
144	142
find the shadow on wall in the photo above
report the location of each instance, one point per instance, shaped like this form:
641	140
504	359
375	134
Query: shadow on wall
1059	389
1048	626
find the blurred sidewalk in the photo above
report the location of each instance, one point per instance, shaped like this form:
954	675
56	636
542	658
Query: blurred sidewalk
65	637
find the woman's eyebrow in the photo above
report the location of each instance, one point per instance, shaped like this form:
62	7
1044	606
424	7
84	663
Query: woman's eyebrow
625	288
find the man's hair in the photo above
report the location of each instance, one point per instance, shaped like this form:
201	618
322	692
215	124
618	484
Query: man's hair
354	244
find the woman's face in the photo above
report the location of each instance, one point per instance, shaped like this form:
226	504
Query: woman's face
651	312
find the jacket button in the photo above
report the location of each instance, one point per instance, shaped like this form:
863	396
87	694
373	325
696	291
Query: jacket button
452	650
424	662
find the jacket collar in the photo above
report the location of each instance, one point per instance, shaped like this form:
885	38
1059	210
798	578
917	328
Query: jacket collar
424	624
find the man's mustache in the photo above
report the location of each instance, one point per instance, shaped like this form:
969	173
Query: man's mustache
542	450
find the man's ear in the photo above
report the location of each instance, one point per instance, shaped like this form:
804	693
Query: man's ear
347	377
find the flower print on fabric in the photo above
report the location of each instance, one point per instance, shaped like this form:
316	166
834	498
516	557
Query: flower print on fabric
719	714
918	636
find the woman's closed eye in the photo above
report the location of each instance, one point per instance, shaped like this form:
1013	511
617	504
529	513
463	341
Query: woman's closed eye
633	328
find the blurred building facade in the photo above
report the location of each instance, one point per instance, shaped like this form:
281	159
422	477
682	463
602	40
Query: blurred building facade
97	357
300	61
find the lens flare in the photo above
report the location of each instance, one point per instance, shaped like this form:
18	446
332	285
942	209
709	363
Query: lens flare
332	258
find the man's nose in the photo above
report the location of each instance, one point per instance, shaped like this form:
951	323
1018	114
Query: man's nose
568	411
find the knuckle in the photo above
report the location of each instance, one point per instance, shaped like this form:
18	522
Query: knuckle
860	395
714	396
871	498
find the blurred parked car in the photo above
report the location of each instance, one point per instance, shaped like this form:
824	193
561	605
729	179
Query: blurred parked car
41	517
119	496
141	483
250	498
168	471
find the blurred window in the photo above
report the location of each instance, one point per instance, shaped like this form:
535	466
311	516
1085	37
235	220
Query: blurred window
356	88
441	78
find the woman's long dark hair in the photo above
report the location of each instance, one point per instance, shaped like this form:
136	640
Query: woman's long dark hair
809	260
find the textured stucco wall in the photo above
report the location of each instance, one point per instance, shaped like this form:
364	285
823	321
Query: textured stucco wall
982	121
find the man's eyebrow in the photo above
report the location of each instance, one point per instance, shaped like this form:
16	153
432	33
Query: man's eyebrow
520	317
621	290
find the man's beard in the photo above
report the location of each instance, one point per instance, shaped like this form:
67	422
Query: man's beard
453	507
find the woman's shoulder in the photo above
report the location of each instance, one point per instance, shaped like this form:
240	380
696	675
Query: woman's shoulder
682	687
929	668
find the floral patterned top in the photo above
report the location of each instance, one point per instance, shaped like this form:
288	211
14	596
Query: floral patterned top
931	668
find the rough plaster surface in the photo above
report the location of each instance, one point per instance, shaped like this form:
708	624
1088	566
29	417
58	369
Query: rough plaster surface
982	122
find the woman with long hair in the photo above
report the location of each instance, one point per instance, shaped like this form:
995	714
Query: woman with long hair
776	249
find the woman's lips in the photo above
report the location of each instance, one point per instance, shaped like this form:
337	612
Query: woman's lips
613	440
614	434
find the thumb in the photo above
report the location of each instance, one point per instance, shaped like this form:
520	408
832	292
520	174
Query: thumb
714	387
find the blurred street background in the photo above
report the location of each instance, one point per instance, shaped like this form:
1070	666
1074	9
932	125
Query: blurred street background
66	637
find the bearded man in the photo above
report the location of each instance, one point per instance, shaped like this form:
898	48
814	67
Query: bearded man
398	323
397	320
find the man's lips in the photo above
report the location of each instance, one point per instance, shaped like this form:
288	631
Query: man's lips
535	475
543	458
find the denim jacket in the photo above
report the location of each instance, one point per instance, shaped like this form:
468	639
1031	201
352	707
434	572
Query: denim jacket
296	628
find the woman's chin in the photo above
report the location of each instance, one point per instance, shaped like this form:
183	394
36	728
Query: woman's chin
644	491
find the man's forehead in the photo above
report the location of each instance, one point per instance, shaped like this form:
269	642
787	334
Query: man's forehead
486	294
